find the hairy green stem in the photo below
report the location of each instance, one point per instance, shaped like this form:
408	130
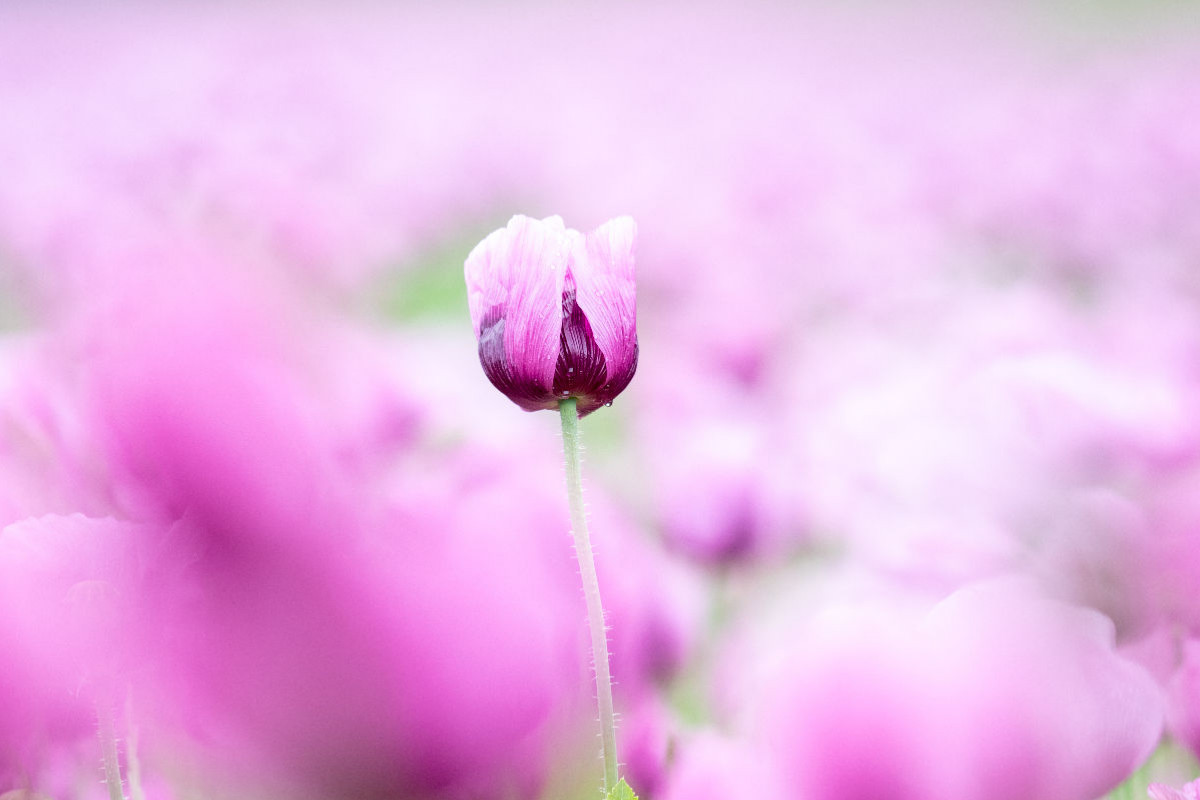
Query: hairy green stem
108	749
591	590
133	773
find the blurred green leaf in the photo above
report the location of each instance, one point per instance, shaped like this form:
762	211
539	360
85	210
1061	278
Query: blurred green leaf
1171	764
431	286
604	430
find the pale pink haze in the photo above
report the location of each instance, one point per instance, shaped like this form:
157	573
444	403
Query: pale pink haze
995	693
1190	792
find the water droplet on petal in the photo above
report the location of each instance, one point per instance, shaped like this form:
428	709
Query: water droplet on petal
570	370
608	404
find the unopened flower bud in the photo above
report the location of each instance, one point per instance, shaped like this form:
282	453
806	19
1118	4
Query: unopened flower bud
555	311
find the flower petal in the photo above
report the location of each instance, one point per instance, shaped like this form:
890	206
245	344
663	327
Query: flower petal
1158	791
515	278
603	269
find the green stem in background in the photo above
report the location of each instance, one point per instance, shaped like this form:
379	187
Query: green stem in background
108	749
133	763
591	591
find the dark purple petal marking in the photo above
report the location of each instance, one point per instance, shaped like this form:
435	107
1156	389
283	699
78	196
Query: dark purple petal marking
617	383
582	370
530	395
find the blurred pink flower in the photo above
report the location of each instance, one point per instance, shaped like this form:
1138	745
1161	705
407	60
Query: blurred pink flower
50	455
519	277
995	693
42	717
648	740
1189	792
655	606
938	369
713	767
71	586
313	636
1183	696
1157	791
724	490
69	620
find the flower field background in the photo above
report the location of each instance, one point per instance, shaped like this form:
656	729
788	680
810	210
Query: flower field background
903	502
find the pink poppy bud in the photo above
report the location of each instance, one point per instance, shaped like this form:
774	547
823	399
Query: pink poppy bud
555	311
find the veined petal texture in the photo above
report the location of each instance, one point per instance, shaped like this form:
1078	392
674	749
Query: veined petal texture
603	268
514	289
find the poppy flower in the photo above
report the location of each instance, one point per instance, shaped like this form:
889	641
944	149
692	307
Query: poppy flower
555	311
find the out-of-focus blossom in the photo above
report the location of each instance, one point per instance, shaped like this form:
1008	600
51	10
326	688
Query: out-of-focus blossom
518	280
713	767
411	648
41	715
1023	380
655	606
1076	717
1183	697
69	592
50	457
648	739
1191	791
876	353
995	693
723	488
70	585
349	645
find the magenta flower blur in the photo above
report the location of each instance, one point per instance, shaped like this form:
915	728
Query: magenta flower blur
555	311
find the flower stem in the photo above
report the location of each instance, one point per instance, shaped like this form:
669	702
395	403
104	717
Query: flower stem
591	591
108	749
133	772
